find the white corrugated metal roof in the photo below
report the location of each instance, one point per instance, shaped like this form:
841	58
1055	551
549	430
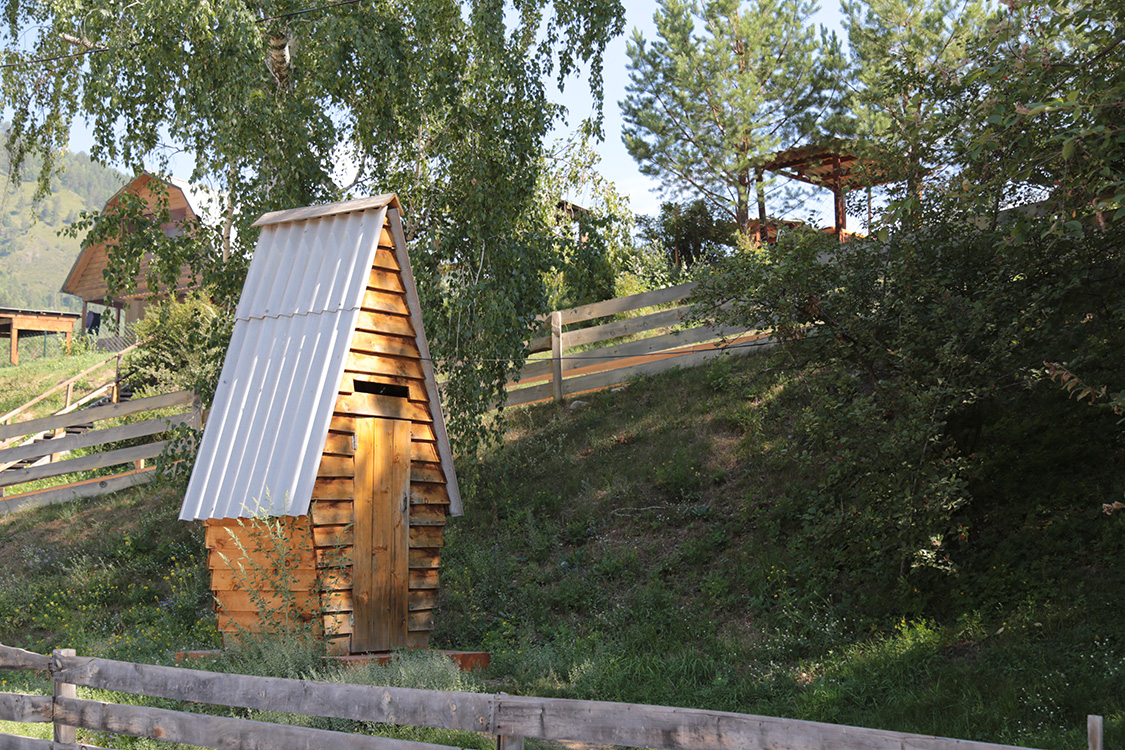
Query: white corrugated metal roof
273	405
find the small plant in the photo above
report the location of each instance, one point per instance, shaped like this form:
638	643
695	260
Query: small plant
265	566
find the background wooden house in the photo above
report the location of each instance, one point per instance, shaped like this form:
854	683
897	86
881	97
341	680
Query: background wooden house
327	420
86	280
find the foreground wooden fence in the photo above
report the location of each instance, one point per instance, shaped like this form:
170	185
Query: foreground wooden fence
509	718
40	441
577	371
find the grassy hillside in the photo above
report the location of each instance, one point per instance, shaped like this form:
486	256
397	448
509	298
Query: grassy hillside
34	259
651	547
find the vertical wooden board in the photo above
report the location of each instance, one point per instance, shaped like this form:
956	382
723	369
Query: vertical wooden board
399	527
363	583
381	540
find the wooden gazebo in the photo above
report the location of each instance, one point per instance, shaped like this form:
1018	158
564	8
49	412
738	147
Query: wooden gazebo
830	166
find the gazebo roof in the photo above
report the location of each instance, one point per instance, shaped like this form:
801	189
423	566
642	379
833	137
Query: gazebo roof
830	165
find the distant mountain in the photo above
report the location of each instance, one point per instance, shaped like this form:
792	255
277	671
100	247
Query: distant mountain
34	259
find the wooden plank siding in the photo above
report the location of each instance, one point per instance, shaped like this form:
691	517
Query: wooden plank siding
383	351
87	279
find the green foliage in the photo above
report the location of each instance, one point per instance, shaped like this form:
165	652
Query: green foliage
444	104
899	49
183	344
585	578
909	349
689	233
590	223
1038	113
117	577
724	86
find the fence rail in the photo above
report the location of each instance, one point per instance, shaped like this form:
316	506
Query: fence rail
511	719
46	450
69	385
566	374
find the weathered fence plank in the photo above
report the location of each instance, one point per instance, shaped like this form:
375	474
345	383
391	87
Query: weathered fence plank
15	742
96	437
509	718
666	361
652	345
527	395
18	659
669	728
625	304
25	708
424	708
82	463
618	328
75	491
625	360
82	416
218	732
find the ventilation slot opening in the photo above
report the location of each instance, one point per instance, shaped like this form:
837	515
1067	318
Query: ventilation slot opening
381	389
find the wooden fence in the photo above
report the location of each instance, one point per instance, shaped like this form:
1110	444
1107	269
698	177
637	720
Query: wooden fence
69	383
509	718
566	373
44	443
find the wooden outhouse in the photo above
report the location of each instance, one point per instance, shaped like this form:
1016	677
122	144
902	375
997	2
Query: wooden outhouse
184	202
327	428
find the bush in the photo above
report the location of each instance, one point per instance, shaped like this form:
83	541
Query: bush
183	345
906	351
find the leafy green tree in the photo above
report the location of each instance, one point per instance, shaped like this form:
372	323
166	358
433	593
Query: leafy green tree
723	86
899	48
591	223
442	103
689	233
182	344
1042	102
927	354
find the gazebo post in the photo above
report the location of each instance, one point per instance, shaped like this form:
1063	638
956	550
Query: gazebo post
838	193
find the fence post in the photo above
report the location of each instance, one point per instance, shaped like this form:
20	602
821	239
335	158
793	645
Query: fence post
1094	732
63	733
503	741
556	355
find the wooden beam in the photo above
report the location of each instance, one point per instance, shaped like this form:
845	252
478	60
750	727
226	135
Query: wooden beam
625	304
14	347
12	658
82	463
26	709
65	731
179	398
76	490
214	731
95	437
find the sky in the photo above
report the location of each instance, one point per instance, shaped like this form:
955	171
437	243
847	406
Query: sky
643	191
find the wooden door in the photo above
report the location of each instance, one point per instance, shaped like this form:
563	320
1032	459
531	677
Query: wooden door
380	560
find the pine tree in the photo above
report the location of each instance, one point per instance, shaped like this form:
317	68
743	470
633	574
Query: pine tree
897	48
723	86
